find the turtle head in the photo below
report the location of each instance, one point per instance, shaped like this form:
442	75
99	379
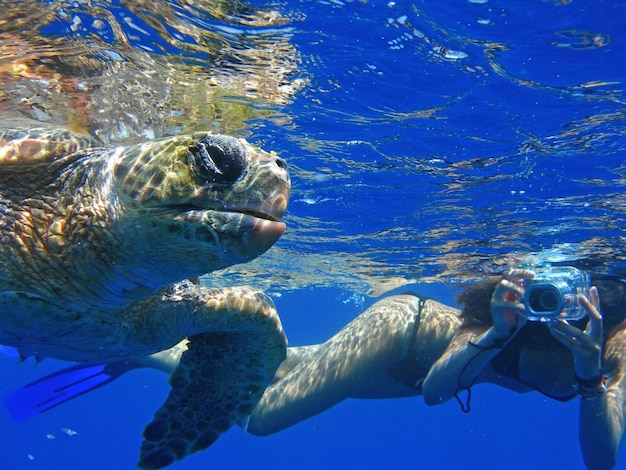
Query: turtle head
202	202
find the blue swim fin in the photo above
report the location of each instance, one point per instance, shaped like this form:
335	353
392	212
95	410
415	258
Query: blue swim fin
57	388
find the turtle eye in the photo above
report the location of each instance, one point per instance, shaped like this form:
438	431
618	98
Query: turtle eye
218	158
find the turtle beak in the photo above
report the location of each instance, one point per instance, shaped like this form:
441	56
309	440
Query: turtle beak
268	228
258	237
263	235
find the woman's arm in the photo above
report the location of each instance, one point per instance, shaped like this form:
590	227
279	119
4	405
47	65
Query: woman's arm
474	347
602	421
457	370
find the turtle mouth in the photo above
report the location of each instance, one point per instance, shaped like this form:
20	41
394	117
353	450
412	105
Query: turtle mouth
271	211
241	234
236	234
263	214
256	214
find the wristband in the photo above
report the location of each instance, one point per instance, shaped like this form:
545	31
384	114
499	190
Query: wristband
592	388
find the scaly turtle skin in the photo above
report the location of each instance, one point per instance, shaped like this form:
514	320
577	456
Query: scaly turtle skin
95	248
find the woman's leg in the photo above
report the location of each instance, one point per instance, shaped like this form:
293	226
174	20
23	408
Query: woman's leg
314	378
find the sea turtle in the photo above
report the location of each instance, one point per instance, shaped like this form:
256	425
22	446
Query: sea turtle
97	247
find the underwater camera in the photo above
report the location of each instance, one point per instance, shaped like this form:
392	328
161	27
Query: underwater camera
553	293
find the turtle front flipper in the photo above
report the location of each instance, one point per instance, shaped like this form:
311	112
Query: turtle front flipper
221	376
30	141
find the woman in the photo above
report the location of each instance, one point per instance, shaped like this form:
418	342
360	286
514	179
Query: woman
405	345
520	355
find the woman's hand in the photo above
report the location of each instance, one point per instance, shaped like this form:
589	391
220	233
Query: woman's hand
507	307
585	345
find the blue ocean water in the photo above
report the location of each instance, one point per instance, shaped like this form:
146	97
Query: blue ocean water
431	143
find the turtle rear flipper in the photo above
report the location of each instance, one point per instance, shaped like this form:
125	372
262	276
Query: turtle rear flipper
218	382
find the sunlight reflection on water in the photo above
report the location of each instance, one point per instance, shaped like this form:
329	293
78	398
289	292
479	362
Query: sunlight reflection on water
424	143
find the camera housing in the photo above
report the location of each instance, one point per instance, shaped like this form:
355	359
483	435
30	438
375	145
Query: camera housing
554	293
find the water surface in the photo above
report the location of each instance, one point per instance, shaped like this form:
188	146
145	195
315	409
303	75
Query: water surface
429	143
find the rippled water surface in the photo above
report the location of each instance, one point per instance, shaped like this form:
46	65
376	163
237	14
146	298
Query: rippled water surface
442	141
427	141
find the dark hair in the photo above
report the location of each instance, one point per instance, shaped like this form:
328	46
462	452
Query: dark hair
612	292
476	301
